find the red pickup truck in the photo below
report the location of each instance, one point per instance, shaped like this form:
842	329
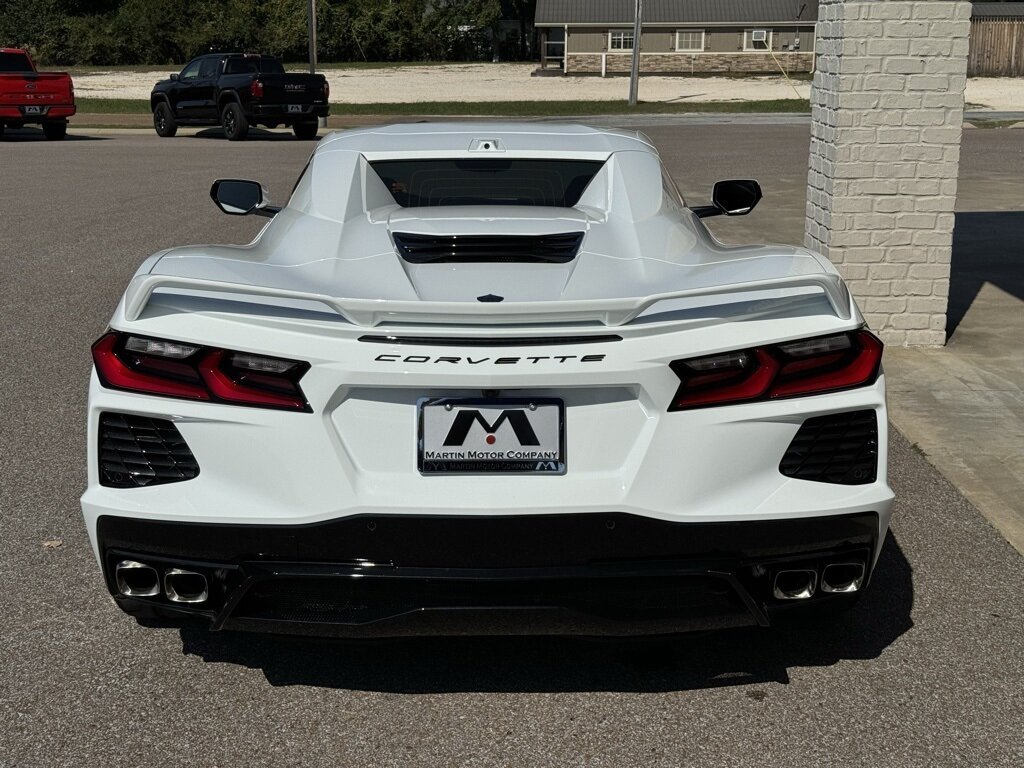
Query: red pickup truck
27	96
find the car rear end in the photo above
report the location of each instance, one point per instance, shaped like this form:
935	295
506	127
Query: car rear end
636	494
30	97
289	98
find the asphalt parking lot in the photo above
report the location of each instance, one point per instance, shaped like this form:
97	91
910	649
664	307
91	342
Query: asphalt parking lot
927	670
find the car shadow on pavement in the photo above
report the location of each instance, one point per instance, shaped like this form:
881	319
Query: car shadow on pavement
21	135
550	664
255	134
986	249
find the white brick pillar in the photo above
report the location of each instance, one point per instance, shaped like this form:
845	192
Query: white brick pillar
887	104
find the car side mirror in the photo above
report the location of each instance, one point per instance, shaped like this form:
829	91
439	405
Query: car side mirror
733	197
240	197
174	76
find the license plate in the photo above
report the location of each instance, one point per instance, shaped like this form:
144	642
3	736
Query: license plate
294	107
465	436
34	110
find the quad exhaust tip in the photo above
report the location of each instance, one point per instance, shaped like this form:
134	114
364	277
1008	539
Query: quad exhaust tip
795	585
135	579
842	577
183	586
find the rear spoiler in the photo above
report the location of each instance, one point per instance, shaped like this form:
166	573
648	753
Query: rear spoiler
371	312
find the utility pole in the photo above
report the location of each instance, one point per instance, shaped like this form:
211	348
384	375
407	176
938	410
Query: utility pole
312	36
634	75
321	121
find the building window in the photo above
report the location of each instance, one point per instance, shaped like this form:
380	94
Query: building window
690	40
757	40
621	40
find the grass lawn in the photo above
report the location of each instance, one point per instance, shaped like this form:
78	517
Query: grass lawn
500	108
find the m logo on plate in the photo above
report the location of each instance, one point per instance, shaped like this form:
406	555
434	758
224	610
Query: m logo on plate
465	419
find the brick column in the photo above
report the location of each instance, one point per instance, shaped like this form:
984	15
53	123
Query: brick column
887	114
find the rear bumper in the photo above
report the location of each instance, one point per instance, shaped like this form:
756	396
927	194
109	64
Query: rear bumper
394	575
280	112
53	112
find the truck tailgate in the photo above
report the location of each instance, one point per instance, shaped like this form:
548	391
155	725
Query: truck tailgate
292	88
35	88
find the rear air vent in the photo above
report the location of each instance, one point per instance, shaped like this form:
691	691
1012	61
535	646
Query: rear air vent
430	249
842	448
137	451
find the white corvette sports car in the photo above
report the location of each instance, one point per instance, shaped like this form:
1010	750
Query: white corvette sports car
486	378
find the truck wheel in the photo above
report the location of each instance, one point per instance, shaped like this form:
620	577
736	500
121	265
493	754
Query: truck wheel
236	127
56	130
306	130
163	120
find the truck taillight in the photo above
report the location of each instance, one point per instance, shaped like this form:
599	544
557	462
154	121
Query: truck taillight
256	89
176	369
806	367
327	90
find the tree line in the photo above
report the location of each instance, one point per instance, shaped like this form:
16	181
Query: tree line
117	32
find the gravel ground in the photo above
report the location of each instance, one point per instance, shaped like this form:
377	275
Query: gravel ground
512	82
926	671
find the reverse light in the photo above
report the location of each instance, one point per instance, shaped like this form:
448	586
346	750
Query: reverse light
805	367
174	369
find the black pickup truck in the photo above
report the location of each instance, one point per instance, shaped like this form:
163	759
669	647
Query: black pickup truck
237	90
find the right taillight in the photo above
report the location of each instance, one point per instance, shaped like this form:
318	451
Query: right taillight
177	369
804	367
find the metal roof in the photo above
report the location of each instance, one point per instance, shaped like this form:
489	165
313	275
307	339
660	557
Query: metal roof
556	12
983	10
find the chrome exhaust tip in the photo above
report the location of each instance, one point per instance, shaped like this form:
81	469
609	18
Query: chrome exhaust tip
135	579
795	585
183	586
842	577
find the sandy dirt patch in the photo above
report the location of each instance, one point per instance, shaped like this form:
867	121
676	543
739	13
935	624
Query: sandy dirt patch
512	82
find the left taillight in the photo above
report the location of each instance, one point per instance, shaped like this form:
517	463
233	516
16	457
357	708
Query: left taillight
805	367
256	89
189	371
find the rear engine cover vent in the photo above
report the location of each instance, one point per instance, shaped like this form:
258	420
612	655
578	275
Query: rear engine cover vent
842	449
456	249
136	451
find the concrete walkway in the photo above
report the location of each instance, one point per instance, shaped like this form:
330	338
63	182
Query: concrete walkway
963	406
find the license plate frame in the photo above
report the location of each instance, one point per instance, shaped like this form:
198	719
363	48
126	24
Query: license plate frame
34	110
494	419
294	109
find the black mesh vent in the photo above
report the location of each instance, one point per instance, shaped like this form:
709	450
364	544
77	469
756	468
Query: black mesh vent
137	451
427	249
842	448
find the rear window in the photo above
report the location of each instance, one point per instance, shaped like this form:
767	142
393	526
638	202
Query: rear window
552	183
253	65
14	62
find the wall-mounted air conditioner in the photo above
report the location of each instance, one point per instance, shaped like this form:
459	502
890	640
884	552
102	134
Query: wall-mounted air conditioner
759	36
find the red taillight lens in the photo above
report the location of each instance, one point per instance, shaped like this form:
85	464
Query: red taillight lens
327	90
807	367
174	369
256	89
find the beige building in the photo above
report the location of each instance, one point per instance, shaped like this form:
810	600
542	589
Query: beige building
679	36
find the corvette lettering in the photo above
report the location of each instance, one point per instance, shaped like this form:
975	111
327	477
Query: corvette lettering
529	359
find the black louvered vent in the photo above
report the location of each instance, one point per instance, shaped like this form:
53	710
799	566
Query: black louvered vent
427	249
842	448
137	451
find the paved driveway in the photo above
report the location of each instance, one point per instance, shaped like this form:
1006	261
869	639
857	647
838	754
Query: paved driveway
927	670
